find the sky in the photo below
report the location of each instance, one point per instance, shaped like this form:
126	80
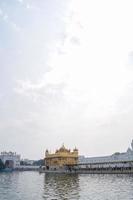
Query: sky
66	76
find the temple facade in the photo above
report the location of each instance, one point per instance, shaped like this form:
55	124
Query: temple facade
61	158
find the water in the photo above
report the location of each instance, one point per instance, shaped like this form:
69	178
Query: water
35	186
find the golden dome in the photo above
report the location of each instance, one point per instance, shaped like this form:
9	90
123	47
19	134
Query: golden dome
75	149
63	149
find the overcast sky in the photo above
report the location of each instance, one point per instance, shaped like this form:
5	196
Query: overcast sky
66	76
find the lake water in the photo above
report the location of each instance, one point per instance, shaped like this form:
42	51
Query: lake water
35	186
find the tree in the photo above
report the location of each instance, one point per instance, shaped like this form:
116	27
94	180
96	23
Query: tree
39	162
2	166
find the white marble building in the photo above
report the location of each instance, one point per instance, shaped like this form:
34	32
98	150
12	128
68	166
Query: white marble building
126	156
11	159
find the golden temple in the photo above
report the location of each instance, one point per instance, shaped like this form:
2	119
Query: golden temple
61	158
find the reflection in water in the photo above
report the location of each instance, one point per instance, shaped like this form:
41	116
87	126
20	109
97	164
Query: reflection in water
61	186
106	187
35	186
8	183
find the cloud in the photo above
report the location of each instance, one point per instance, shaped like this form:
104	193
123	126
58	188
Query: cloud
130	58
6	19
3	15
32	7
40	91
28	6
75	40
1	12
20	1
15	26
84	98
125	102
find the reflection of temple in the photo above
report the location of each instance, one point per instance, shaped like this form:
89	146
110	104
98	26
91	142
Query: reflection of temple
61	186
61	158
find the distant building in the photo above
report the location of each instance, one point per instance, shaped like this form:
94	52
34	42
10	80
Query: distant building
10	159
125	156
61	158
28	162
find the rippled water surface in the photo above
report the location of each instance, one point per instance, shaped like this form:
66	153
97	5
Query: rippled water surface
35	186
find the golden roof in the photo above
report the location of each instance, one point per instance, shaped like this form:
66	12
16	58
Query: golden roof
63	149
